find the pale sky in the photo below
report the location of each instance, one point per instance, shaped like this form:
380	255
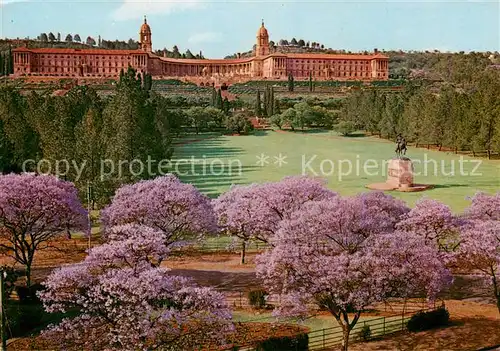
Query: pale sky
220	28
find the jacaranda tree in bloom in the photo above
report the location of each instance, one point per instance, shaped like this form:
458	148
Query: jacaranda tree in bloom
35	210
124	300
333	253
179	211
484	207
434	222
479	250
254	212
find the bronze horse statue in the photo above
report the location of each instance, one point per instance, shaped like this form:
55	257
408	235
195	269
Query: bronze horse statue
401	146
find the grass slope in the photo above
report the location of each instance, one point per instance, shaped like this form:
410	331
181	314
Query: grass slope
214	164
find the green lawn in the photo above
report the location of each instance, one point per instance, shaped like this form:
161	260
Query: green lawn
325	322
222	161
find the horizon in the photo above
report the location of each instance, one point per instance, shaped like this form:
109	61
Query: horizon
219	29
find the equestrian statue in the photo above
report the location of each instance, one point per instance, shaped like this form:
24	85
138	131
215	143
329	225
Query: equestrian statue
401	146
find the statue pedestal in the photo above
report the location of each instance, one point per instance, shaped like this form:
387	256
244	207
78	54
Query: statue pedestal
399	177
400	172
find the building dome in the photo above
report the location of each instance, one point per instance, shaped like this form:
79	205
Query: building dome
262	31
145	26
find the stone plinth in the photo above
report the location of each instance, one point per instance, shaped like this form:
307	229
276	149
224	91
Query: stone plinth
400	172
399	177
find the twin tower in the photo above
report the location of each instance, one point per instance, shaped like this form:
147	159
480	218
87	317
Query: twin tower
262	48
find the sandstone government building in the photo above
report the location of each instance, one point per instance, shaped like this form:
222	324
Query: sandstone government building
99	63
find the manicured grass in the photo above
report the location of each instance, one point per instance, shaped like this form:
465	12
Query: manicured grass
222	161
318	322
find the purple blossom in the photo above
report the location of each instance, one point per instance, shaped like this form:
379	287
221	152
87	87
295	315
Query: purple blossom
434	222
335	254
480	251
124	298
484	207
254	212
178	210
34	210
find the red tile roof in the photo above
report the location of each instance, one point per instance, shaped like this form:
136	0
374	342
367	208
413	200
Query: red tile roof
197	61
78	51
208	61
336	56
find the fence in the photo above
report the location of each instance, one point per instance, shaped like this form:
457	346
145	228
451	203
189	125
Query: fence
225	247
379	326
325	338
321	339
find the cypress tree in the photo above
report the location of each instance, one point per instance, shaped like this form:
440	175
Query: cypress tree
213	100
226	106
271	102
11	61
264	111
310	82
276	107
6	65
219	101
290	82
2	67
258	111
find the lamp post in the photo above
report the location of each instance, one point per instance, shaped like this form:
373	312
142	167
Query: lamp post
3	334
89	218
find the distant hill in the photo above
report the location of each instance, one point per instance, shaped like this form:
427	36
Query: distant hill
433	65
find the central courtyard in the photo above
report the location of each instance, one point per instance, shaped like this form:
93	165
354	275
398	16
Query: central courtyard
214	162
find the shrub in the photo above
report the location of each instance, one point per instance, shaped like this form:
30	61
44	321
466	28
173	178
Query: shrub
257	298
365	333
428	320
23	318
298	342
238	123
345	128
26	294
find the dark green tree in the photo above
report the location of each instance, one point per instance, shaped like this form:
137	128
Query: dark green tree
17	129
258	108
276	107
219	101
239	123
213	99
226	106
264	102
10	61
2	64
291	83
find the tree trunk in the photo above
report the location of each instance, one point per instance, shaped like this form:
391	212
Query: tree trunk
498	302
243	249
496	289
345	335
28	275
